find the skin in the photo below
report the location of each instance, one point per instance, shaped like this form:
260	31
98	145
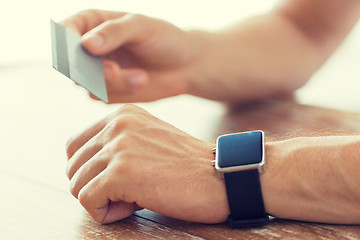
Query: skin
144	59
173	174
147	59
105	166
313	179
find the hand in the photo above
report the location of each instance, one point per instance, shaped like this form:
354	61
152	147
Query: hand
133	160
144	58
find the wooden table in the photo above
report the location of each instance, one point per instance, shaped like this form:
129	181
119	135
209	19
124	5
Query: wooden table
40	109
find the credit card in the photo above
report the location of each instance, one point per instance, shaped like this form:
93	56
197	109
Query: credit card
69	58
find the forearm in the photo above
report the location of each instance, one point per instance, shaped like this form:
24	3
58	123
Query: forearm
314	179
254	59
270	54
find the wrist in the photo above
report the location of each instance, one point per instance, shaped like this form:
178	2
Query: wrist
271	184
203	44
310	179
239	161
218	74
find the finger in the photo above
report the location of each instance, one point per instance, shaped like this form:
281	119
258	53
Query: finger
86	20
157	86
138	208
84	154
77	141
124	80
94	198
119	210
87	172
114	33
94	97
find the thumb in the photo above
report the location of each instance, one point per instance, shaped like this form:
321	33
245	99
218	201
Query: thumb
118	211
114	33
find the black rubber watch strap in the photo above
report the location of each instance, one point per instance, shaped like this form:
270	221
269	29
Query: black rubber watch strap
245	199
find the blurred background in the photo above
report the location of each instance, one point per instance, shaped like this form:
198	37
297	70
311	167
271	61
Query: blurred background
40	109
25	24
25	37
45	108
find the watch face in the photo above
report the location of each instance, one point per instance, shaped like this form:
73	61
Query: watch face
240	149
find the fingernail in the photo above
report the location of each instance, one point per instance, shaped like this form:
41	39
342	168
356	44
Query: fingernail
94	39
137	80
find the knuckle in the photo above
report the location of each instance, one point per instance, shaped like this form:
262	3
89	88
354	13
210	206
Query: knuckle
68	172
73	189
110	23
116	126
111	26
129	23
135	17
125	165
70	148
128	108
86	13
124	116
83	15
83	198
128	119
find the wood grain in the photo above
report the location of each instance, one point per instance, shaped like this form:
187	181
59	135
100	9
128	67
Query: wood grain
280	118
32	210
40	110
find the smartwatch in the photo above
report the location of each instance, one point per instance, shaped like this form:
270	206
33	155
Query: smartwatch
239	160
